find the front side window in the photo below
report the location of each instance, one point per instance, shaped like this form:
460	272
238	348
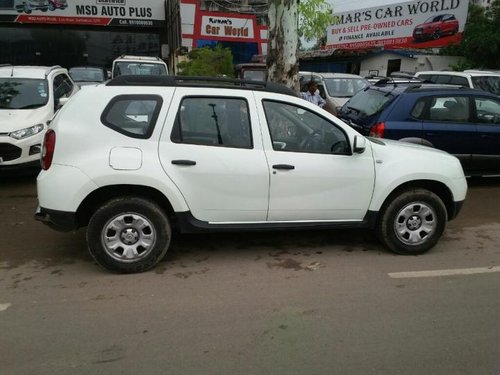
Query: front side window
21	93
487	111
213	121
62	86
132	115
296	129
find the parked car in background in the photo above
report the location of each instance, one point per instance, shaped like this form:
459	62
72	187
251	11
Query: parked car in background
251	71
481	80
464	122
139	65
88	75
29	97
140	156
27	6
435	27
58	4
335	88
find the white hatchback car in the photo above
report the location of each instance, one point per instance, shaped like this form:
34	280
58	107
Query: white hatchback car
29	97
136	157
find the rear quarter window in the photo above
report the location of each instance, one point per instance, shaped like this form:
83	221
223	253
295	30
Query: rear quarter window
132	115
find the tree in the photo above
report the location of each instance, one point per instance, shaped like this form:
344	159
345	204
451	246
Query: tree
284	32
208	62
480	45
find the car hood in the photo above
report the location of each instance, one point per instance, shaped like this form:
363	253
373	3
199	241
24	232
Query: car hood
422	25
16	119
406	146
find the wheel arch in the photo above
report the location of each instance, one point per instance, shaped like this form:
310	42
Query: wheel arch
437	187
99	196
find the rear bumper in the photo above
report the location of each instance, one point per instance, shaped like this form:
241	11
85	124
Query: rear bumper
58	220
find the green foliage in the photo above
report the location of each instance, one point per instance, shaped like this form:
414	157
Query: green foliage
314	17
480	45
208	62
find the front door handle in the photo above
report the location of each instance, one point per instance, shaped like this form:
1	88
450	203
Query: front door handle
183	162
283	166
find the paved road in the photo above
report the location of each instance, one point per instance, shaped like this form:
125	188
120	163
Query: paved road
329	302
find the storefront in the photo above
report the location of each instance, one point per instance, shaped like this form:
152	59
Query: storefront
244	34
80	32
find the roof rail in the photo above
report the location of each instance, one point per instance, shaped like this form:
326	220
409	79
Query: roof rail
397	80
215	82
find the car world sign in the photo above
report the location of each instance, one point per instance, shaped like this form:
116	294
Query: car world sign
412	24
139	13
227	27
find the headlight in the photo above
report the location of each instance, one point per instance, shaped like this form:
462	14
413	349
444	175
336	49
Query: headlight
27	132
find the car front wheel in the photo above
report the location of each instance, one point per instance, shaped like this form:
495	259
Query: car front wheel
128	235
412	222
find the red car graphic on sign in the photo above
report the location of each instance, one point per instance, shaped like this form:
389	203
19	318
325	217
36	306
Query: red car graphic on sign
435	27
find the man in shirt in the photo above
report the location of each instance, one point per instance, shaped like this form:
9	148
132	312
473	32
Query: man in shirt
312	94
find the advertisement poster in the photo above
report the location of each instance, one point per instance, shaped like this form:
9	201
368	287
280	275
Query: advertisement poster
137	13
411	24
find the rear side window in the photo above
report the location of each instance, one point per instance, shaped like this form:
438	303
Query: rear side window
447	109
132	115
213	121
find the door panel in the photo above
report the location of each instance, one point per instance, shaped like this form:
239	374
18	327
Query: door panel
214	155
313	174
448	126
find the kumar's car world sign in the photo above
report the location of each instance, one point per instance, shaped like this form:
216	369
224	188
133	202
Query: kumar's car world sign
137	13
412	24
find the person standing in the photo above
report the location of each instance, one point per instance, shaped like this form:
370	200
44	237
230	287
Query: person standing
312	94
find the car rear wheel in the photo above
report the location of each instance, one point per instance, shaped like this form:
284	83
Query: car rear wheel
128	235
412	222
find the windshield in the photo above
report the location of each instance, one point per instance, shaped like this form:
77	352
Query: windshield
433	19
23	93
143	69
487	83
345	87
368	103
87	74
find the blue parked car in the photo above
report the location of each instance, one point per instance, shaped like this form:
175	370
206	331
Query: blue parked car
462	121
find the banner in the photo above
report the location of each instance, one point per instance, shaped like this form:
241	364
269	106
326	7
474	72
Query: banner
412	24
137	13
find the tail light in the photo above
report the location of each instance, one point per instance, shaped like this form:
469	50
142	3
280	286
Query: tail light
378	130
49	144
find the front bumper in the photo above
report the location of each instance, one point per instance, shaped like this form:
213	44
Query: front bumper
457	207
58	220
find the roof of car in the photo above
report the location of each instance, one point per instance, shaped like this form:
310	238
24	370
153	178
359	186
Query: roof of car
330	75
470	73
212	82
423	87
35	72
139	58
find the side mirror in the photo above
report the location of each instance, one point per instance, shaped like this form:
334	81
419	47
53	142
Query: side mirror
359	145
61	101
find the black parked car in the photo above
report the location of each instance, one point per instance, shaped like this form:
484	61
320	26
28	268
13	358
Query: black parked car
462	121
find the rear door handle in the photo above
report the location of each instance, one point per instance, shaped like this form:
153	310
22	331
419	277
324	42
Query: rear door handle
183	162
283	166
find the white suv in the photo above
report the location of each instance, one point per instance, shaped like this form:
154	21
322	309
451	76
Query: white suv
29	97
139	65
136	157
477	79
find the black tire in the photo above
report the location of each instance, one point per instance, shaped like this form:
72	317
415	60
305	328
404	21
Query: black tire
129	213
52	7
436	35
420	225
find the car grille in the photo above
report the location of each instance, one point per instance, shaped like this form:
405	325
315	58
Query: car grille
9	152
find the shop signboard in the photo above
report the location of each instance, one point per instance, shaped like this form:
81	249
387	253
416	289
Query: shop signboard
136	13
411	24
230	27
